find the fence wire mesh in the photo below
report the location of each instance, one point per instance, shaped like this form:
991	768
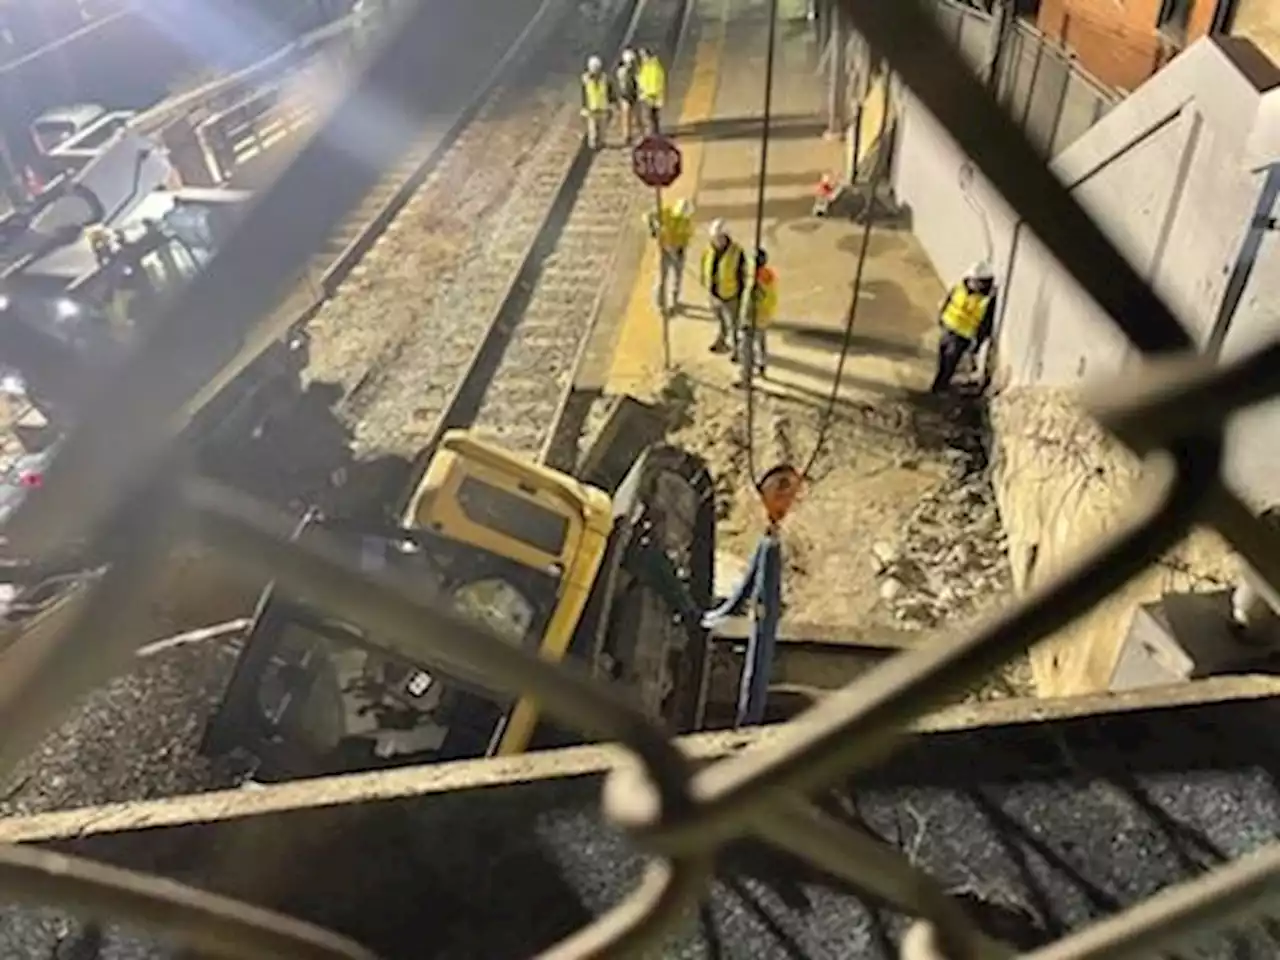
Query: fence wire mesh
678	814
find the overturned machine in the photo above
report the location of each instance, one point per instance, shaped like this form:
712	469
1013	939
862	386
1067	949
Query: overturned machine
611	568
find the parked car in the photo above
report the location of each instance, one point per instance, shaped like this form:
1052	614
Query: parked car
22	475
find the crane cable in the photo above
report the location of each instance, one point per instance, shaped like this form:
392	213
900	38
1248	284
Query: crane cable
749	346
868	221
873	185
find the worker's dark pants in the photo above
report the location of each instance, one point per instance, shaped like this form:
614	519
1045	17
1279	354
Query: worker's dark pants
951	350
652	118
627	109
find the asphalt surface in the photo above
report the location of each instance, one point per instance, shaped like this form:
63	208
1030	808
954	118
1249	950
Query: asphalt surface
1039	828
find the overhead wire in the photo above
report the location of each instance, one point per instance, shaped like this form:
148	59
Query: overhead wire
851	315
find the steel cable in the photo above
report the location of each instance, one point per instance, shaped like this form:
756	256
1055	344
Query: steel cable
748	348
868	222
827	415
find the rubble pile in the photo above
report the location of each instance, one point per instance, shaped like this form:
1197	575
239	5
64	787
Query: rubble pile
950	562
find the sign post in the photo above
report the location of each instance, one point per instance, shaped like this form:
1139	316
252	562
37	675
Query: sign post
657	163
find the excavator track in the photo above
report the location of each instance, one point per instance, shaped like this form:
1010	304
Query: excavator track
656	581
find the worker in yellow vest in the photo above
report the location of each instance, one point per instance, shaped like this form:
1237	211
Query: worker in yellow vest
762	309
966	318
651	79
595	101
672	227
723	270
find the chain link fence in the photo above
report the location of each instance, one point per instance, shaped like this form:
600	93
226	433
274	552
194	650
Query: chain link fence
680	814
1042	85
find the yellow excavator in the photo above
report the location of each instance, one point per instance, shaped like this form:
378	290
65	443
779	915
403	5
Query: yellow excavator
611	566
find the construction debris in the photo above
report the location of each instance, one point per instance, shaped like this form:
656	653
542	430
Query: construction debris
950	563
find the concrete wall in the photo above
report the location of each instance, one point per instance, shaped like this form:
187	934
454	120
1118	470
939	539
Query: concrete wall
1173	174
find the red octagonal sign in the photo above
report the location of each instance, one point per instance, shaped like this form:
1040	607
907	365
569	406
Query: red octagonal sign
656	161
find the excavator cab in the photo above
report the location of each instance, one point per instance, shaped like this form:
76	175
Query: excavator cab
540	559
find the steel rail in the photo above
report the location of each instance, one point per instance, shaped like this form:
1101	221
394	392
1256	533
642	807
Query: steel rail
471	393
347	244
682	818
424	157
561	442
565	301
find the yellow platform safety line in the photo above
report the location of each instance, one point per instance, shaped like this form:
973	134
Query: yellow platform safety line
637	367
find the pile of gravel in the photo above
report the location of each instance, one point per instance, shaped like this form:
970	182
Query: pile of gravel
135	738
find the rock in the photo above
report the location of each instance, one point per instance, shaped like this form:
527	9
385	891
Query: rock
884	553
891	589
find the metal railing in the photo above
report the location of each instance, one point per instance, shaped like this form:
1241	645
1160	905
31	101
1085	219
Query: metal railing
678	813
285	104
251	126
1042	85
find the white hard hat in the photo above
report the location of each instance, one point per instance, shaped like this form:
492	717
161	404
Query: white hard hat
594	64
684	206
980	271
628	55
717	228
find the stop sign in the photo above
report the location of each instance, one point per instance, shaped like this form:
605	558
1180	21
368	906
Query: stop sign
656	161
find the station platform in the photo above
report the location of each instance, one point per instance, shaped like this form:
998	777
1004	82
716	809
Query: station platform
717	124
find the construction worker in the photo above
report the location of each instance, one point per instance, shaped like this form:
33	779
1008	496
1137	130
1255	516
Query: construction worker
672	227
651	79
762	309
723	269
627	89
966	318
595	101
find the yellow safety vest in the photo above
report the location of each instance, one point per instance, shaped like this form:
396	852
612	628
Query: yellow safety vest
595	92
764	297
964	311
652	81
674	231
722	280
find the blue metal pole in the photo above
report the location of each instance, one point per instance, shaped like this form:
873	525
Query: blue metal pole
766	598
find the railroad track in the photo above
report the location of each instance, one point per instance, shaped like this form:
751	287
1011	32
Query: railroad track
392	316
511	366
556	314
525	372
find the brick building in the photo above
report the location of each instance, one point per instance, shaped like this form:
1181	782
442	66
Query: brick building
1122	42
